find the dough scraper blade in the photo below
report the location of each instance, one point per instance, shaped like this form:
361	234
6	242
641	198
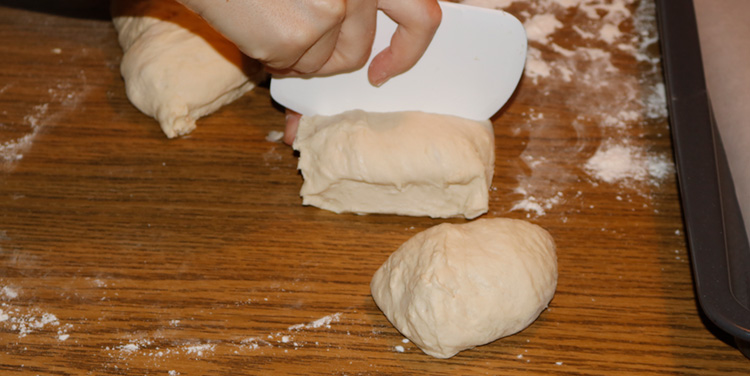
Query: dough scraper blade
470	69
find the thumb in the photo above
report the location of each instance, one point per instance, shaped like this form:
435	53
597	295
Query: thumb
417	22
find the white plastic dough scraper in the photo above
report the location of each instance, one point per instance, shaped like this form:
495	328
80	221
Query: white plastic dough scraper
470	70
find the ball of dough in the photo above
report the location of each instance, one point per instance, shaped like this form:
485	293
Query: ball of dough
176	67
454	287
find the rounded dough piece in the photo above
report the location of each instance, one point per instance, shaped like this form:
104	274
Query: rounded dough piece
176	67
454	287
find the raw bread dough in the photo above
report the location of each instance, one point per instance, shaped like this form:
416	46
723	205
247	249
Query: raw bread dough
409	163
175	66
454	287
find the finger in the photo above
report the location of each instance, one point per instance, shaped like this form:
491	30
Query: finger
277	33
292	123
417	22
319	53
355	38
255	29
310	30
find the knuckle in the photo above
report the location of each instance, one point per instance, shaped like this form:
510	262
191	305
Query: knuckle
361	60
276	64
265	56
432	14
333	10
287	47
353	61
305	67
274	59
297	39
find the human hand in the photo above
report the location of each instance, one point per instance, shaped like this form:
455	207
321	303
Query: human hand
321	37
292	123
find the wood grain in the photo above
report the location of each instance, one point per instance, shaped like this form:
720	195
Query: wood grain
195	255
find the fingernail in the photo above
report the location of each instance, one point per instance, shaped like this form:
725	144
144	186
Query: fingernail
380	79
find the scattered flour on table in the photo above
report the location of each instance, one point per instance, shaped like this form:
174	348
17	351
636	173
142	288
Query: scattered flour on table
272	157
541	26
62	97
12	150
253	343
274	136
129	348
99	283
321	322
616	104
156	348
25	321
5	88
8	293
200	349
535	205
614	163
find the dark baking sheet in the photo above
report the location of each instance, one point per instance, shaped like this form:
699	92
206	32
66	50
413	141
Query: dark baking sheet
717	242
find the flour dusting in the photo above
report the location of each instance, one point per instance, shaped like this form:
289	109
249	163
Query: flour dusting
63	97
541	26
616	103
8	293
614	163
199	349
535	205
321	322
156	348
12	150
25	321
536	67
274	136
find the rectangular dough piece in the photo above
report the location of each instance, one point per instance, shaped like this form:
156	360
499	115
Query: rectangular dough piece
407	163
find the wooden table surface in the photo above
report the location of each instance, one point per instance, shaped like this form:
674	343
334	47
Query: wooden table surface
123	252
